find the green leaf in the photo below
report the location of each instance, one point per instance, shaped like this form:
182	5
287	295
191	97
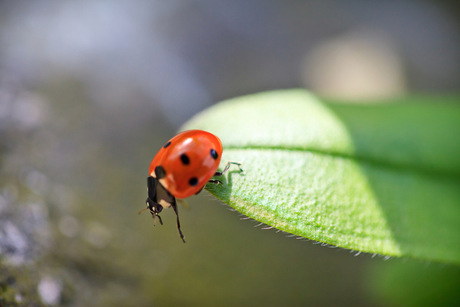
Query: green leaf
381	178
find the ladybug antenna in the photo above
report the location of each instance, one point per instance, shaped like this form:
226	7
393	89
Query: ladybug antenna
142	211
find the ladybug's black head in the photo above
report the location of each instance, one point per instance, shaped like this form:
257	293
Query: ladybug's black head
154	209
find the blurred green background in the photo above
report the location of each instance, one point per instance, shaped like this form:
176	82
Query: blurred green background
90	90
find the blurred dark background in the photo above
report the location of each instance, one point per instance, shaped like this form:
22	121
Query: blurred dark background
89	90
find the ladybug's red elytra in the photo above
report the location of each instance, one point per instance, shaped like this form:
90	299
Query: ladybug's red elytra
182	168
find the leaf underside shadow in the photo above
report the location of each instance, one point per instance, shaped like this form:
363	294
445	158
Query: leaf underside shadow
379	178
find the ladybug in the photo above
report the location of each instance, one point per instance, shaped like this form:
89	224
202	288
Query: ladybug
182	168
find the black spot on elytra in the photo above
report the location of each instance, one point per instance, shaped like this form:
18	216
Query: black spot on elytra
214	154
193	181
160	172
167	144
184	158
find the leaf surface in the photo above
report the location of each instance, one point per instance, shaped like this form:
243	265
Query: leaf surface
381	178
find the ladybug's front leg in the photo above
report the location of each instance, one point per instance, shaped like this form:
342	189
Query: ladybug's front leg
227	166
216	181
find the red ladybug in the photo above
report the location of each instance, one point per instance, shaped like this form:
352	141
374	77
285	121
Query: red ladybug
182	168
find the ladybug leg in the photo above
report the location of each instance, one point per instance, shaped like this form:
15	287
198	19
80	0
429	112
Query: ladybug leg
174	206
227	166
216	181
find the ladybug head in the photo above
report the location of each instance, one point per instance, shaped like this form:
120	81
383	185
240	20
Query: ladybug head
154	209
